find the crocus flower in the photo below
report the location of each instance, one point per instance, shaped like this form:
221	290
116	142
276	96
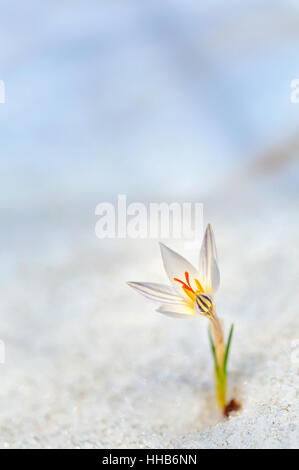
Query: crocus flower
191	294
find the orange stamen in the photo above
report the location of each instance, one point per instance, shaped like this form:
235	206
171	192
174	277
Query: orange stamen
184	285
198	285
190	293
187	279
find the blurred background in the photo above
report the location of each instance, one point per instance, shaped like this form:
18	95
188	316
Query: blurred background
161	101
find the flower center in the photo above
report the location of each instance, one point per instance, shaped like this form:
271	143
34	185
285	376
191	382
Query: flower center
186	286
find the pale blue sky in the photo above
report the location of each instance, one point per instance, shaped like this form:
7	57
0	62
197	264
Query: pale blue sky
141	98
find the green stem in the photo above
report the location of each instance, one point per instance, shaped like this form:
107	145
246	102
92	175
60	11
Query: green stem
221	369
221	389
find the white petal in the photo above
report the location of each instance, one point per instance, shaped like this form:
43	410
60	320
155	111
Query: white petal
176	266
176	311
208	266
157	292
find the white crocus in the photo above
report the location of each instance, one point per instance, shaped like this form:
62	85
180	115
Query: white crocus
192	290
192	294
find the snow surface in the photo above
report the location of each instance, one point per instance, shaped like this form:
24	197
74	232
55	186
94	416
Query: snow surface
90	364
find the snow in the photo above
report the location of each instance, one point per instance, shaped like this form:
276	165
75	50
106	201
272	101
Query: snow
90	364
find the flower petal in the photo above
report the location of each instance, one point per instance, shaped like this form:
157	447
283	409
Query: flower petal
176	311
208	266
176	266
157	292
